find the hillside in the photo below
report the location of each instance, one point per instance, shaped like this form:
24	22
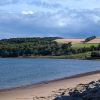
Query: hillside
49	46
79	42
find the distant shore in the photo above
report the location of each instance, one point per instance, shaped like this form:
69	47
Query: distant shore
80	56
57	57
47	88
52	57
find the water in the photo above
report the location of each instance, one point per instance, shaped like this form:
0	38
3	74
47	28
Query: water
15	72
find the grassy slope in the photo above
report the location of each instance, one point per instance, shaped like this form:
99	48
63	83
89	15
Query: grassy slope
77	46
73	56
82	55
81	45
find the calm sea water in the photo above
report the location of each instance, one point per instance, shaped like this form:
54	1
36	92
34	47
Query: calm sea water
15	72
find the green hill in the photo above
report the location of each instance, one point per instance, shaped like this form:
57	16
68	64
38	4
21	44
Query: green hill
46	47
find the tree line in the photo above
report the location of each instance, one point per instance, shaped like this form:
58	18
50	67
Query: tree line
46	46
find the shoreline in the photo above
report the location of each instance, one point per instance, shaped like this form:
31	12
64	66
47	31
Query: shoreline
55	57
51	81
46	89
50	57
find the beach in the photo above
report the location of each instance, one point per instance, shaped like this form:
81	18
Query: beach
48	90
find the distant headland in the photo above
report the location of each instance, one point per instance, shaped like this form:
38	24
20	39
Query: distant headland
52	47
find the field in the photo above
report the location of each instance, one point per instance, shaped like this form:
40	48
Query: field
78	42
72	40
81	45
96	40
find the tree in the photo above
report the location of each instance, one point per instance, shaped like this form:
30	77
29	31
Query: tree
95	54
90	38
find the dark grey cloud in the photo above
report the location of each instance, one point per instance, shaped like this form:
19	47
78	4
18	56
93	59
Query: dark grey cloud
62	23
31	2
47	18
7	2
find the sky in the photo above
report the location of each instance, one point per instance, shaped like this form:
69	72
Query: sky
63	18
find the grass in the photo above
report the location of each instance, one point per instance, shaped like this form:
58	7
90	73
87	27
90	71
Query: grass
72	56
80	55
81	45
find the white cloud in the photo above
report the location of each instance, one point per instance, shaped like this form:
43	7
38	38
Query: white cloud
28	12
96	19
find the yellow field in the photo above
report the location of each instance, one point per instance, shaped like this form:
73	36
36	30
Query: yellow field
96	40
72	40
76	40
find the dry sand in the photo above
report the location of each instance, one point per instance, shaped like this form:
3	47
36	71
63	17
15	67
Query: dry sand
47	89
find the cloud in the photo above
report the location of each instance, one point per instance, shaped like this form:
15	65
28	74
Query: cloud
28	12
49	18
61	23
6	2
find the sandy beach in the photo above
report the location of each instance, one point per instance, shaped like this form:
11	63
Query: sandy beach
42	91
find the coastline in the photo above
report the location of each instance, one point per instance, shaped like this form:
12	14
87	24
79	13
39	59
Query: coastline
79	56
54	80
51	57
45	88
